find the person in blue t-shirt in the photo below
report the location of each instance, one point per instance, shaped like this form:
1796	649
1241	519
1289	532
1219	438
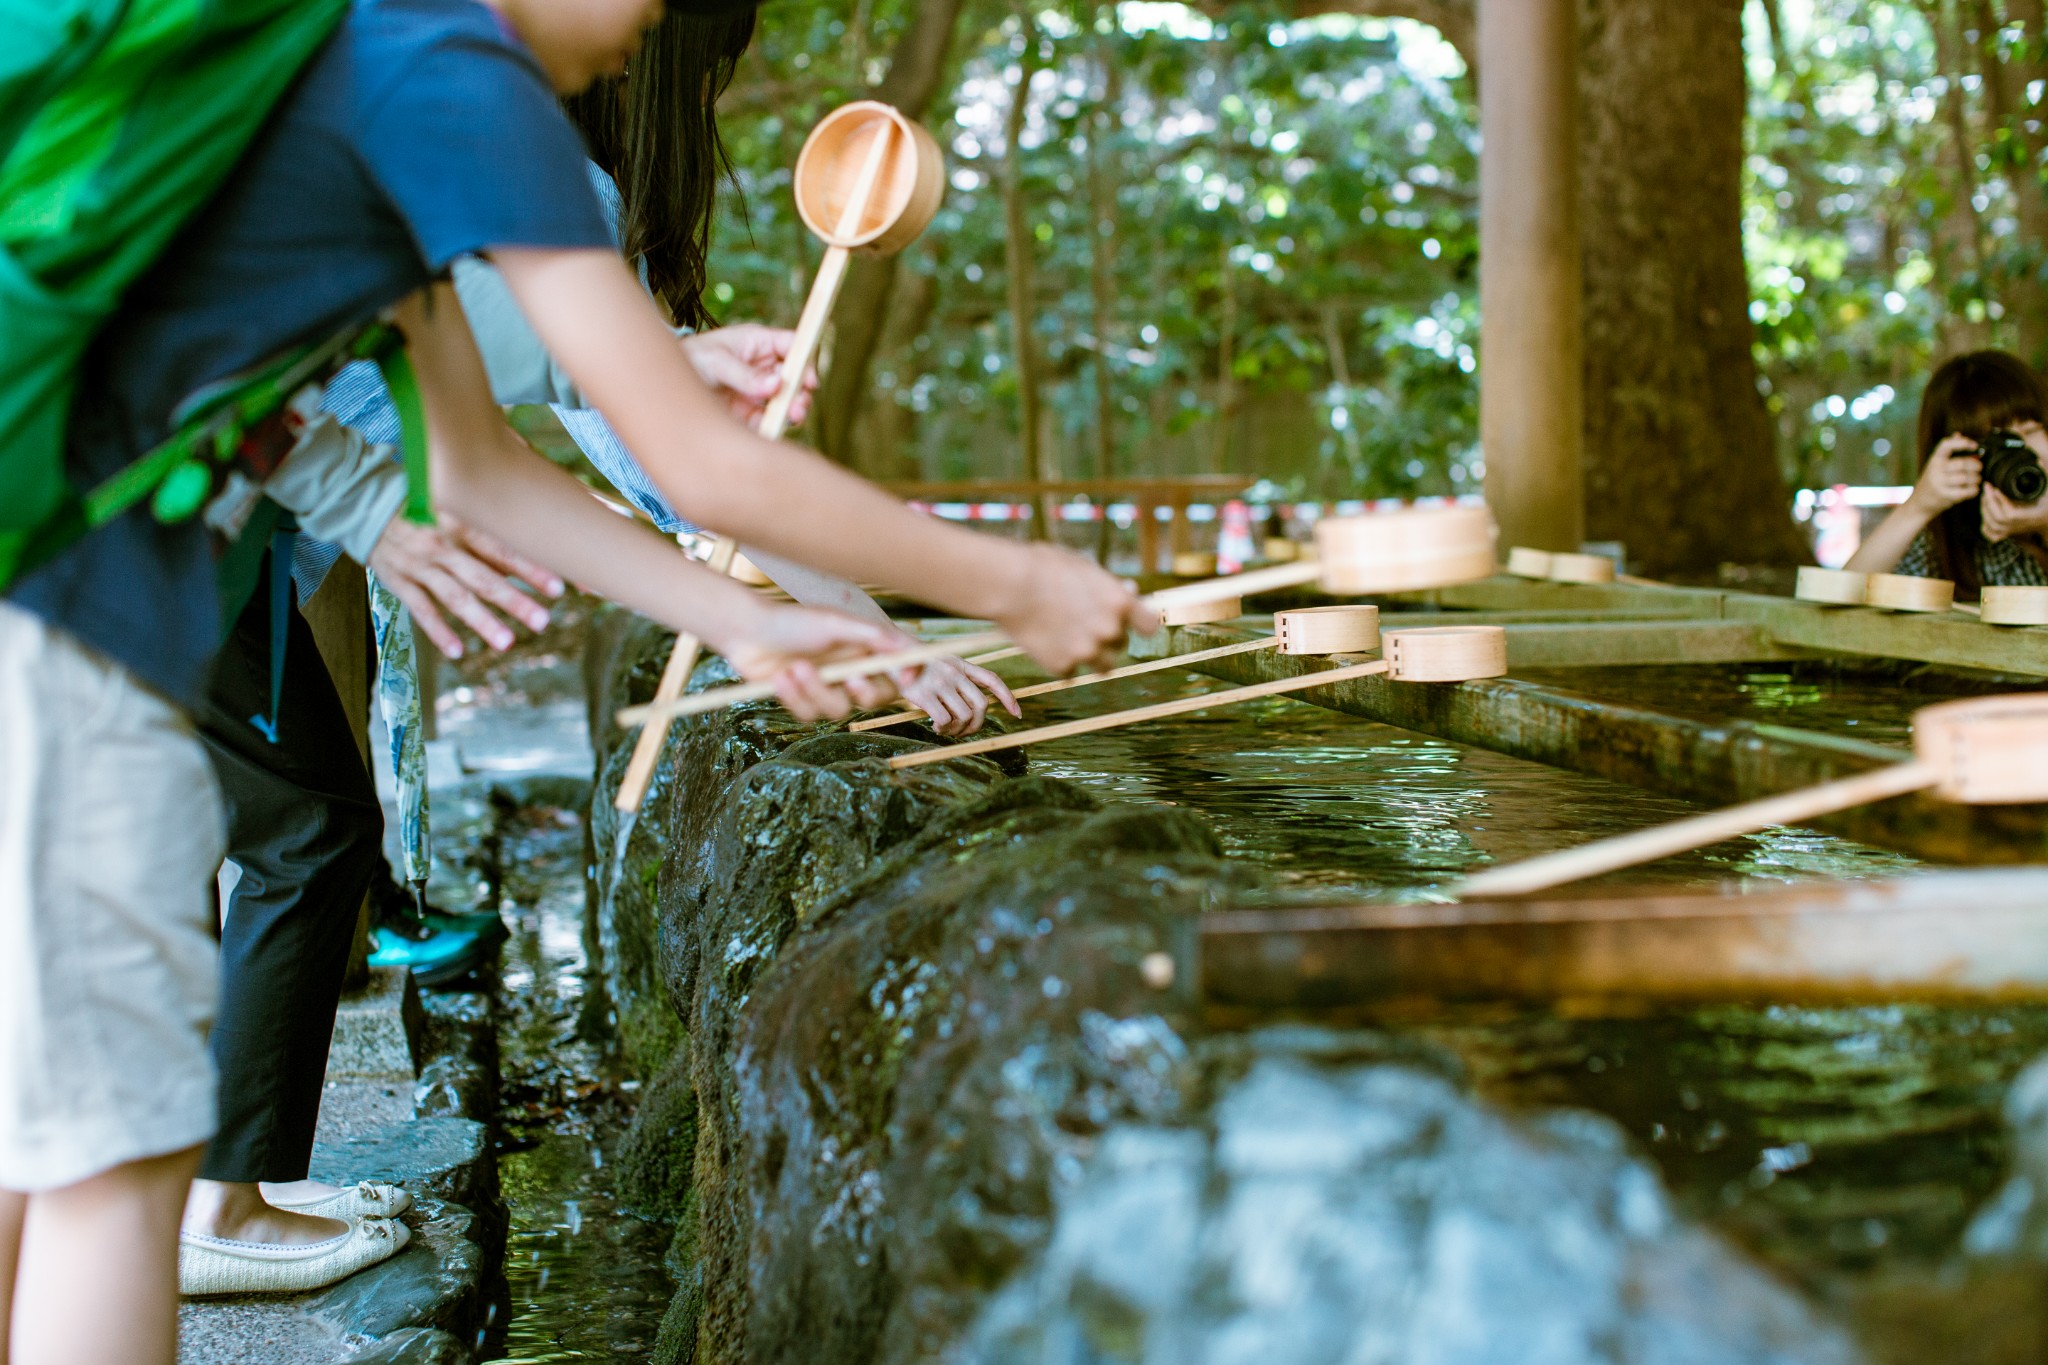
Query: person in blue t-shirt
423	131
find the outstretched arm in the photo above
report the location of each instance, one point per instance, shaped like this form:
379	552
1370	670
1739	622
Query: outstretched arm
1954	473
487	477
590	312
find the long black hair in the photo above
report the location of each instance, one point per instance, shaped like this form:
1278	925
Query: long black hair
654	131
1973	395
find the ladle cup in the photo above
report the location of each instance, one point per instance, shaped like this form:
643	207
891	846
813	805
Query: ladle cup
1981	751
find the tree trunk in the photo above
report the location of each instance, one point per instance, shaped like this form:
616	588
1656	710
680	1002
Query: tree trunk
2018	141
1680	460
916	69
884	432
1959	239
1102	243
1340	377
1226	363
1018	255
1798	166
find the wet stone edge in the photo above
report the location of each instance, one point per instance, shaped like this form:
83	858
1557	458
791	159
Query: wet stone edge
443	1300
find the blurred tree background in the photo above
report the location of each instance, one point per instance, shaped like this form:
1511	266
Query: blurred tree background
1245	243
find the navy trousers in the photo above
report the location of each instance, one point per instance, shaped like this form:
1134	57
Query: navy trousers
305	828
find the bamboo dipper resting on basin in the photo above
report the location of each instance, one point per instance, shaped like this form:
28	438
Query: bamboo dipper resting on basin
1310	630
1398	551
1426	654
1984	751
877	178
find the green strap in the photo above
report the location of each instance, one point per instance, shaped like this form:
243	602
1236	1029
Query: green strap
177	477
404	387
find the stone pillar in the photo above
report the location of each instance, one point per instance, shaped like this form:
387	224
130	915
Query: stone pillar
1530	372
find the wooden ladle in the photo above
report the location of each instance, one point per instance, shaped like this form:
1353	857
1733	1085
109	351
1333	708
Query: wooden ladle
1404	550
868	179
1435	654
1307	631
1983	751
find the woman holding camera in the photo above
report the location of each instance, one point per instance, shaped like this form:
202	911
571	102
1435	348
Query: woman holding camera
1977	515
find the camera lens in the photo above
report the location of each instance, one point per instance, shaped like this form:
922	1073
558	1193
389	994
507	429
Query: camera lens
2010	467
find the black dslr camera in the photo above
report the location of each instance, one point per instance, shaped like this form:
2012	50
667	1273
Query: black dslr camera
2010	467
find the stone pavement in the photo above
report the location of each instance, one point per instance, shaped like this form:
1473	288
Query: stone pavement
412	1080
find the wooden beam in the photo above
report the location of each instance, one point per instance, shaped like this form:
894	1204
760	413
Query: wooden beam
1712	762
1980	935
1610	644
1529	271
1950	638
1503	593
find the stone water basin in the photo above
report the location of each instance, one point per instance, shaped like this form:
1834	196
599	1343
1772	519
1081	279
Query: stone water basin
1846	1149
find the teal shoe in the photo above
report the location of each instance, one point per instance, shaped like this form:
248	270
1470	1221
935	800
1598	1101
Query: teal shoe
436	957
406	910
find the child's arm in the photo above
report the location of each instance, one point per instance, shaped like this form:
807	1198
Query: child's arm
1954	473
590	312
487	476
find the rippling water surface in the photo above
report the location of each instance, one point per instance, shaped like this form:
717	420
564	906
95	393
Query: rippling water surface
1845	1146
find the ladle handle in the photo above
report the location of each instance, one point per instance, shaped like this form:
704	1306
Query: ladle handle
682	662
1682	836
1238	585
1087	679
1158	711
718	698
810	327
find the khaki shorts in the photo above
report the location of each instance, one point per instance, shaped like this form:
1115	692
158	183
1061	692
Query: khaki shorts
110	833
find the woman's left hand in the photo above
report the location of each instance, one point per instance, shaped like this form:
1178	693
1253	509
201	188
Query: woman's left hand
2002	518
950	691
743	363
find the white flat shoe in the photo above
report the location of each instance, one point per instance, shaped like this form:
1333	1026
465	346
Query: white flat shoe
215	1265
364	1199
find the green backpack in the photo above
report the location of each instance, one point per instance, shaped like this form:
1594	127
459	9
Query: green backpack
118	121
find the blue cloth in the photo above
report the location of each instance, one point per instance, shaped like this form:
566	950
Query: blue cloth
420	132
601	445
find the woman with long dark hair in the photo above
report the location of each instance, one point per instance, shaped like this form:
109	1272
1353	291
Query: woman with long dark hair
1956	524
654	133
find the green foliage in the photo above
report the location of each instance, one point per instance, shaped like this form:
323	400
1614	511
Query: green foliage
1273	188
1874	248
1297	202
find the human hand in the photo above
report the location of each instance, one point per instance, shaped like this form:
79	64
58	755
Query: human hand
950	691
784	645
1066	612
2002	518
1954	474
743	363
465	571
